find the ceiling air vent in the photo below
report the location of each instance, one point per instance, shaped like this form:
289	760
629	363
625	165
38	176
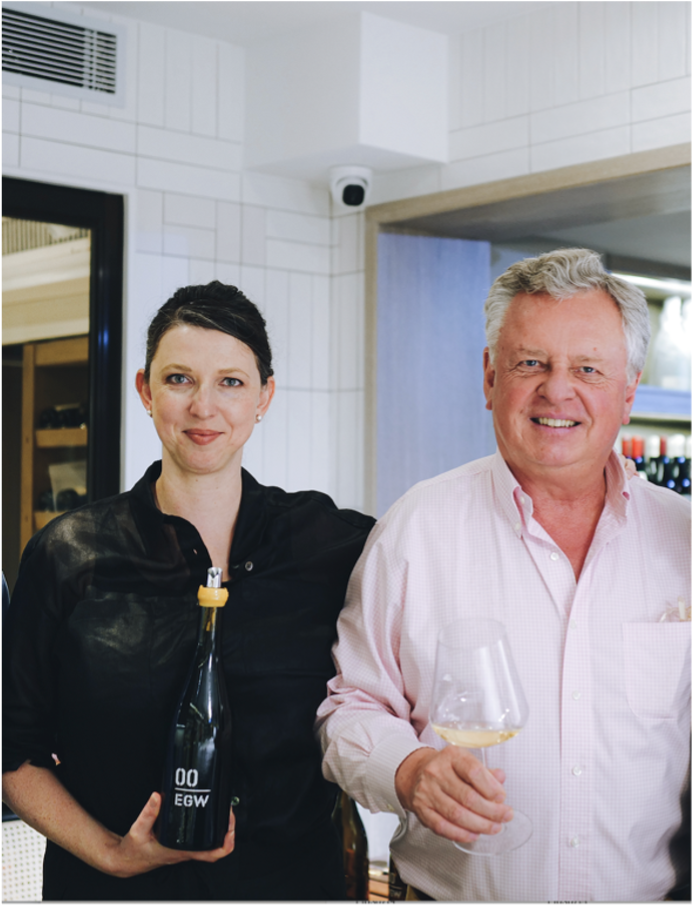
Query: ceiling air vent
63	53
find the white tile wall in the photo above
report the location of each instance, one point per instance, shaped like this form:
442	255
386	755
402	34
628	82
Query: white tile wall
591	146
645	47
490	138
191	242
299	332
149	220
10	115
672	38
494	72
655	133
151	75
652	102
204	86
90	131
230	93
591	49
159	174
485	169
284	194
189	210
177	74
617	46
517	74
574	81
253	235
228	231
565	52
570	82
298	227
196	150
470	65
580	118
10	149
65	159
298	256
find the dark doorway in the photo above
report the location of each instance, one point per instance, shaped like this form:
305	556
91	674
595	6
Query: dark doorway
101	214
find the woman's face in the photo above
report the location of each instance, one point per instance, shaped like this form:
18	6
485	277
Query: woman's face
205	394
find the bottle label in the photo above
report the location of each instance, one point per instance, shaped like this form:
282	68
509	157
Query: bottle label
186	790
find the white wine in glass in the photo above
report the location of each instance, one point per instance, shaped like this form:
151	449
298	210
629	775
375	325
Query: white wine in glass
477	702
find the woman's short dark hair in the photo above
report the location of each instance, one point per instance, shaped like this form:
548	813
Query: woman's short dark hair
216	307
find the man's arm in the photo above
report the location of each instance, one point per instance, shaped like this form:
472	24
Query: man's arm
371	747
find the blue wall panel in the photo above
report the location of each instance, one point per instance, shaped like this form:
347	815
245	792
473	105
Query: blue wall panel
431	412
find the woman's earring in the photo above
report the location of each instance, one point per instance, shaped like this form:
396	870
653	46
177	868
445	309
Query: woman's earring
259	418
149	412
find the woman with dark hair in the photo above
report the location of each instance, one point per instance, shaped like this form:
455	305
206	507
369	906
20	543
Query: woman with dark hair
102	626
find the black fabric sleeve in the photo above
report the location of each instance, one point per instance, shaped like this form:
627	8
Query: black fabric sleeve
29	681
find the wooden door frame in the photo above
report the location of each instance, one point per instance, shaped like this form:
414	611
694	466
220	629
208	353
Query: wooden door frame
632	185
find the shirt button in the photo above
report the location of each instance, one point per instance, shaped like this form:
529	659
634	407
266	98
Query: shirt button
554	555
573	625
574	842
577	771
576	694
518	526
522	499
249	566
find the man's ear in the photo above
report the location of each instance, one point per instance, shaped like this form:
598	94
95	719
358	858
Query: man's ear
631	388
488	378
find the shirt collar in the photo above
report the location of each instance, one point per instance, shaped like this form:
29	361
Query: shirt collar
249	529
518	506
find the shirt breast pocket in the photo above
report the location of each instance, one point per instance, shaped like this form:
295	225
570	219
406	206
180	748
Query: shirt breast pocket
657	668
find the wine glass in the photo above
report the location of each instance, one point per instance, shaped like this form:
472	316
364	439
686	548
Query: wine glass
478	701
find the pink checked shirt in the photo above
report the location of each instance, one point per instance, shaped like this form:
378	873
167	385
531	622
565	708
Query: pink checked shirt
602	762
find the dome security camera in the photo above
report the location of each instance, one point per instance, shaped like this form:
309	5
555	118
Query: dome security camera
350	185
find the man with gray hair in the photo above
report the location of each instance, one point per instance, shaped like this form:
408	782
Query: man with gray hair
589	572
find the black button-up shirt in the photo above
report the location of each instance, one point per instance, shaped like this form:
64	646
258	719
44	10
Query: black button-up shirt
102	628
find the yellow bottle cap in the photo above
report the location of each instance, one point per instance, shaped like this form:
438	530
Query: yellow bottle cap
209	597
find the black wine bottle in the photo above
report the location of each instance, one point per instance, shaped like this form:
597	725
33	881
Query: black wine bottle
356	864
197	774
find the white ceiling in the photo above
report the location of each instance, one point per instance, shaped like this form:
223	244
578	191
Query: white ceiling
245	22
659	237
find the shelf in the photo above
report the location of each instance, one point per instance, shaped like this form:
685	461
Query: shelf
73	351
665	419
662	403
61	437
43	517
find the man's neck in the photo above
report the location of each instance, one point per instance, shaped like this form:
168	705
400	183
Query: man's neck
568	507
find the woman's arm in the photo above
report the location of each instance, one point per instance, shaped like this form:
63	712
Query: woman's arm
39	798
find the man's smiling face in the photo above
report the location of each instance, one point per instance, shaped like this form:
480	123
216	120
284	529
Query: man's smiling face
558	389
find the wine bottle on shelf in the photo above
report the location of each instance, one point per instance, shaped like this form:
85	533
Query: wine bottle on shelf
652	455
197	774
662	464
685	470
676	448
637	450
356	863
